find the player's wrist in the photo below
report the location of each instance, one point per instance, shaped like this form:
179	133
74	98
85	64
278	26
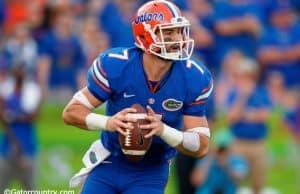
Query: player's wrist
171	136
95	121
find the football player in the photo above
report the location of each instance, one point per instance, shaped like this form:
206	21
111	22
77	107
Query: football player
158	74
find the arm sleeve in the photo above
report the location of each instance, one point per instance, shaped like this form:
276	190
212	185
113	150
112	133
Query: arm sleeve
105	74
200	88
98	82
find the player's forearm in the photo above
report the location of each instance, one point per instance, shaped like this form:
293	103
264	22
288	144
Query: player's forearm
193	142
75	114
80	116
79	112
202	151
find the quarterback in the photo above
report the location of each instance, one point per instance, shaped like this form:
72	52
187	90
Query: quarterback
159	74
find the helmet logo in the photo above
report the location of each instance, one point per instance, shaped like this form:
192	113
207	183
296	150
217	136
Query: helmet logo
147	17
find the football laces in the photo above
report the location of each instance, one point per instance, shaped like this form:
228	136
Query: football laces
128	138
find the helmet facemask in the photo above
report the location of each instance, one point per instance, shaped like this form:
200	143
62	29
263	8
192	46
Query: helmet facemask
161	46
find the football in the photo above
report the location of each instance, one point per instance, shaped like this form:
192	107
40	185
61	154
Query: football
134	145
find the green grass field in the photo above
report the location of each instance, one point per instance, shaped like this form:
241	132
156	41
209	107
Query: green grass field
61	149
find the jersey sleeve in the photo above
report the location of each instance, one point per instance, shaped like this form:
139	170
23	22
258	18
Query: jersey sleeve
98	81
105	72
200	88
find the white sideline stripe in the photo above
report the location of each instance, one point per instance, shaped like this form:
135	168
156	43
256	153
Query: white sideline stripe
134	152
205	95
99	75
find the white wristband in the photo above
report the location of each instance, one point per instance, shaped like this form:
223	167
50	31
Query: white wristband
171	136
95	121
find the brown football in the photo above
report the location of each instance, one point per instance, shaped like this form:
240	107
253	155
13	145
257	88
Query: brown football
134	145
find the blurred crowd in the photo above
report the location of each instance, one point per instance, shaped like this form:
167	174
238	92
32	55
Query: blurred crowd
252	48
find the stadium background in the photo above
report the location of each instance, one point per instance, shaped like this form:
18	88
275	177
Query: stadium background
61	147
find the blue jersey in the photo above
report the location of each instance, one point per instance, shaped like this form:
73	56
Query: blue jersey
24	132
283	39
121	34
118	77
243	129
67	58
245	42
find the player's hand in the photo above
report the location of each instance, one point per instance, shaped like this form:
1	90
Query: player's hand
121	121
156	125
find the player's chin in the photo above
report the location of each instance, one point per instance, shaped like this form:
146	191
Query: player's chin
170	50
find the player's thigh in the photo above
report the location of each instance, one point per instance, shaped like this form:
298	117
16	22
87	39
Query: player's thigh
97	187
101	180
146	180
144	189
